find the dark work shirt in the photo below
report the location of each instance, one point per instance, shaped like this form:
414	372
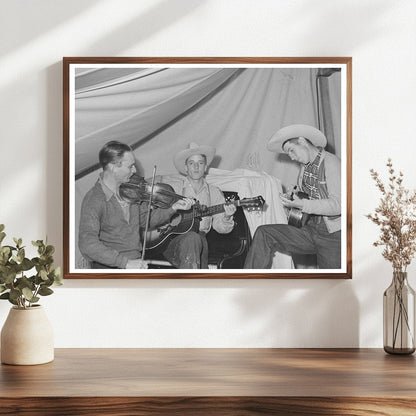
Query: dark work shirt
105	235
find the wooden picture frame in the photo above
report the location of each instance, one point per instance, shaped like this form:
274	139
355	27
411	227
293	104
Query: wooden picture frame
156	105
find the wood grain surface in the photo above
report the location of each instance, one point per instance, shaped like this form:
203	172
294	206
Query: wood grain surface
212	382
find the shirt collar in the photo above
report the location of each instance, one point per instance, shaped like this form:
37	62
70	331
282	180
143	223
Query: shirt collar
188	183
318	158
107	191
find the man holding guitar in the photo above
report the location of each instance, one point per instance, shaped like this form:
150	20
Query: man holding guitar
190	249
320	179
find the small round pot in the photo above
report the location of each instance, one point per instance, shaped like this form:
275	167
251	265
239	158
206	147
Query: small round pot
27	337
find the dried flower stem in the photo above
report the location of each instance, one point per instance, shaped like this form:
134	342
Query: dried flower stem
396	216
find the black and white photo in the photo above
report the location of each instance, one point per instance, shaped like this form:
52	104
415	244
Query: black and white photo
207	167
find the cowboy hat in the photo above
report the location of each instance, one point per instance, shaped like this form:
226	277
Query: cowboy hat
315	136
193	149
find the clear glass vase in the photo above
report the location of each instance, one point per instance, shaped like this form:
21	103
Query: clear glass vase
399	316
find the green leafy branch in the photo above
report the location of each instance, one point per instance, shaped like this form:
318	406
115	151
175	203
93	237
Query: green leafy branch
15	285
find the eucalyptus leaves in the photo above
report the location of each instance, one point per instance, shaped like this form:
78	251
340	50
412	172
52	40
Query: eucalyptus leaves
15	286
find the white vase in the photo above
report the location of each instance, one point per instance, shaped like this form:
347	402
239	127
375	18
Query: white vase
27	337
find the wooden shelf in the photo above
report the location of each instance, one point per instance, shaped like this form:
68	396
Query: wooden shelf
212	382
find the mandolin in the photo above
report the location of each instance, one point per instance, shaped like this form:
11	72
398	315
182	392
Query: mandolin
184	221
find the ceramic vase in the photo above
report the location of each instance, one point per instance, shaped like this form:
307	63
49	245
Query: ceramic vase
27	337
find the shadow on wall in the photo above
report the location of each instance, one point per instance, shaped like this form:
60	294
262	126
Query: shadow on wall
310	313
40	17
288	313
140	27
336	18
149	23
37	17
301	313
5	306
54	167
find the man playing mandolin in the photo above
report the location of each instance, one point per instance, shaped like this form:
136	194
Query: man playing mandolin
190	250
109	229
320	179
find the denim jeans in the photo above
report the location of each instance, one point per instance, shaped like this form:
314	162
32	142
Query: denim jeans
313	238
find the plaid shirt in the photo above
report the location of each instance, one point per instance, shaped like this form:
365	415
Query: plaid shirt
322	182
313	179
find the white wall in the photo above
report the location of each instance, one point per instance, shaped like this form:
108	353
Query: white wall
380	35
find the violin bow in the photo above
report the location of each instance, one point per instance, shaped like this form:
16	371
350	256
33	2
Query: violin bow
146	229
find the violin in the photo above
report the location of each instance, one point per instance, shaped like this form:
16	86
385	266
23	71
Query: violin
137	190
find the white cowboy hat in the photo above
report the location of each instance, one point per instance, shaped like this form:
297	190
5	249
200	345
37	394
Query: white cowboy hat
315	136
193	149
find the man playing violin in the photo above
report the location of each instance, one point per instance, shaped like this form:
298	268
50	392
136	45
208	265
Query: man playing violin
109	229
320	179
190	250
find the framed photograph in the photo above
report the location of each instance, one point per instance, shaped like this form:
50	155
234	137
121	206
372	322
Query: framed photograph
207	167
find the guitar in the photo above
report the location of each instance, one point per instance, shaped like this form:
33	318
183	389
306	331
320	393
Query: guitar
184	221
295	216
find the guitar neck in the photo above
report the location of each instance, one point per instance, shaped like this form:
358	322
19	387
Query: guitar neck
247	203
216	209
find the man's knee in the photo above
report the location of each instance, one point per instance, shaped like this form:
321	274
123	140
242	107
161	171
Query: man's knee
261	231
193	239
264	231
